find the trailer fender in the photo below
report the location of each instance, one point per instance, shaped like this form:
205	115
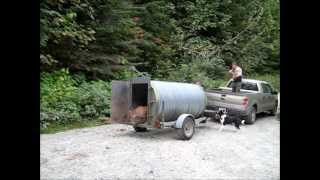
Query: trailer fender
181	118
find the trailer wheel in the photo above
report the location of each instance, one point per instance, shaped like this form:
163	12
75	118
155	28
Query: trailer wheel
140	129
187	130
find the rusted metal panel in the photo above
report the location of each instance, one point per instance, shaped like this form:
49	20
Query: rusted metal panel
120	102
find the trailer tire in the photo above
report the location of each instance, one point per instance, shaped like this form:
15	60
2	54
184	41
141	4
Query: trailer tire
187	130
251	117
140	129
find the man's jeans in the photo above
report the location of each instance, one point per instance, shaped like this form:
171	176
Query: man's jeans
236	87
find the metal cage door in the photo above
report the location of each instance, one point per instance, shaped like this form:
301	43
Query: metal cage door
120	102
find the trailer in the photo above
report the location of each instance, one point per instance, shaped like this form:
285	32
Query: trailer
162	105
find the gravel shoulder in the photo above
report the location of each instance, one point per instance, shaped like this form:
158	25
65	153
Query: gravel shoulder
117	152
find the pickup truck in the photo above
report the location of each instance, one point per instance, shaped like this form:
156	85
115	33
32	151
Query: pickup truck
254	97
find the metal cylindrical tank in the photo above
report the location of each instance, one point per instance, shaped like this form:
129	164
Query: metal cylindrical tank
173	99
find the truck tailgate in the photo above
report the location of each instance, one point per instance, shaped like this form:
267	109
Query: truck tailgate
227	100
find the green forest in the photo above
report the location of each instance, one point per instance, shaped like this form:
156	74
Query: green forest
84	45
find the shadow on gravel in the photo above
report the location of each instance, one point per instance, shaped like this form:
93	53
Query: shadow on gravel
171	133
263	114
166	133
152	134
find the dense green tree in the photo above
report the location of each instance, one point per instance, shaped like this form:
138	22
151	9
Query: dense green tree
106	37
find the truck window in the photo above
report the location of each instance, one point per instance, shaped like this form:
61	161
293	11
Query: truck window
266	88
270	89
247	86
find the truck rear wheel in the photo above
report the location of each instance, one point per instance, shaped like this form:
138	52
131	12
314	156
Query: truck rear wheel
251	117
187	130
140	129
274	110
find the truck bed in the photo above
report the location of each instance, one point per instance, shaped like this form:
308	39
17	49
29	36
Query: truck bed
226	98
227	91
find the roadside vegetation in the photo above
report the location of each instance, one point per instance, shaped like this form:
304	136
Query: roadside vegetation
84	45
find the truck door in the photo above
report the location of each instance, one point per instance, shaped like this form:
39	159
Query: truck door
273	97
267	97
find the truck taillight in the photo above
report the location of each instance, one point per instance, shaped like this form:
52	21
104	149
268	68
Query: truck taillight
245	101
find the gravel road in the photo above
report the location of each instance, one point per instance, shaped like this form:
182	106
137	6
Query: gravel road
118	152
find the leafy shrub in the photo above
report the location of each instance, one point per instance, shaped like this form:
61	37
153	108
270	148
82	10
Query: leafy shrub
65	98
57	98
65	112
94	98
57	86
210	72
127	73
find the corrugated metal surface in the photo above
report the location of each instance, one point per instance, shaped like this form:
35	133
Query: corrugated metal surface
174	99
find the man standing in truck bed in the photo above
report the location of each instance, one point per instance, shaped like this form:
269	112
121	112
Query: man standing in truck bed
236	72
